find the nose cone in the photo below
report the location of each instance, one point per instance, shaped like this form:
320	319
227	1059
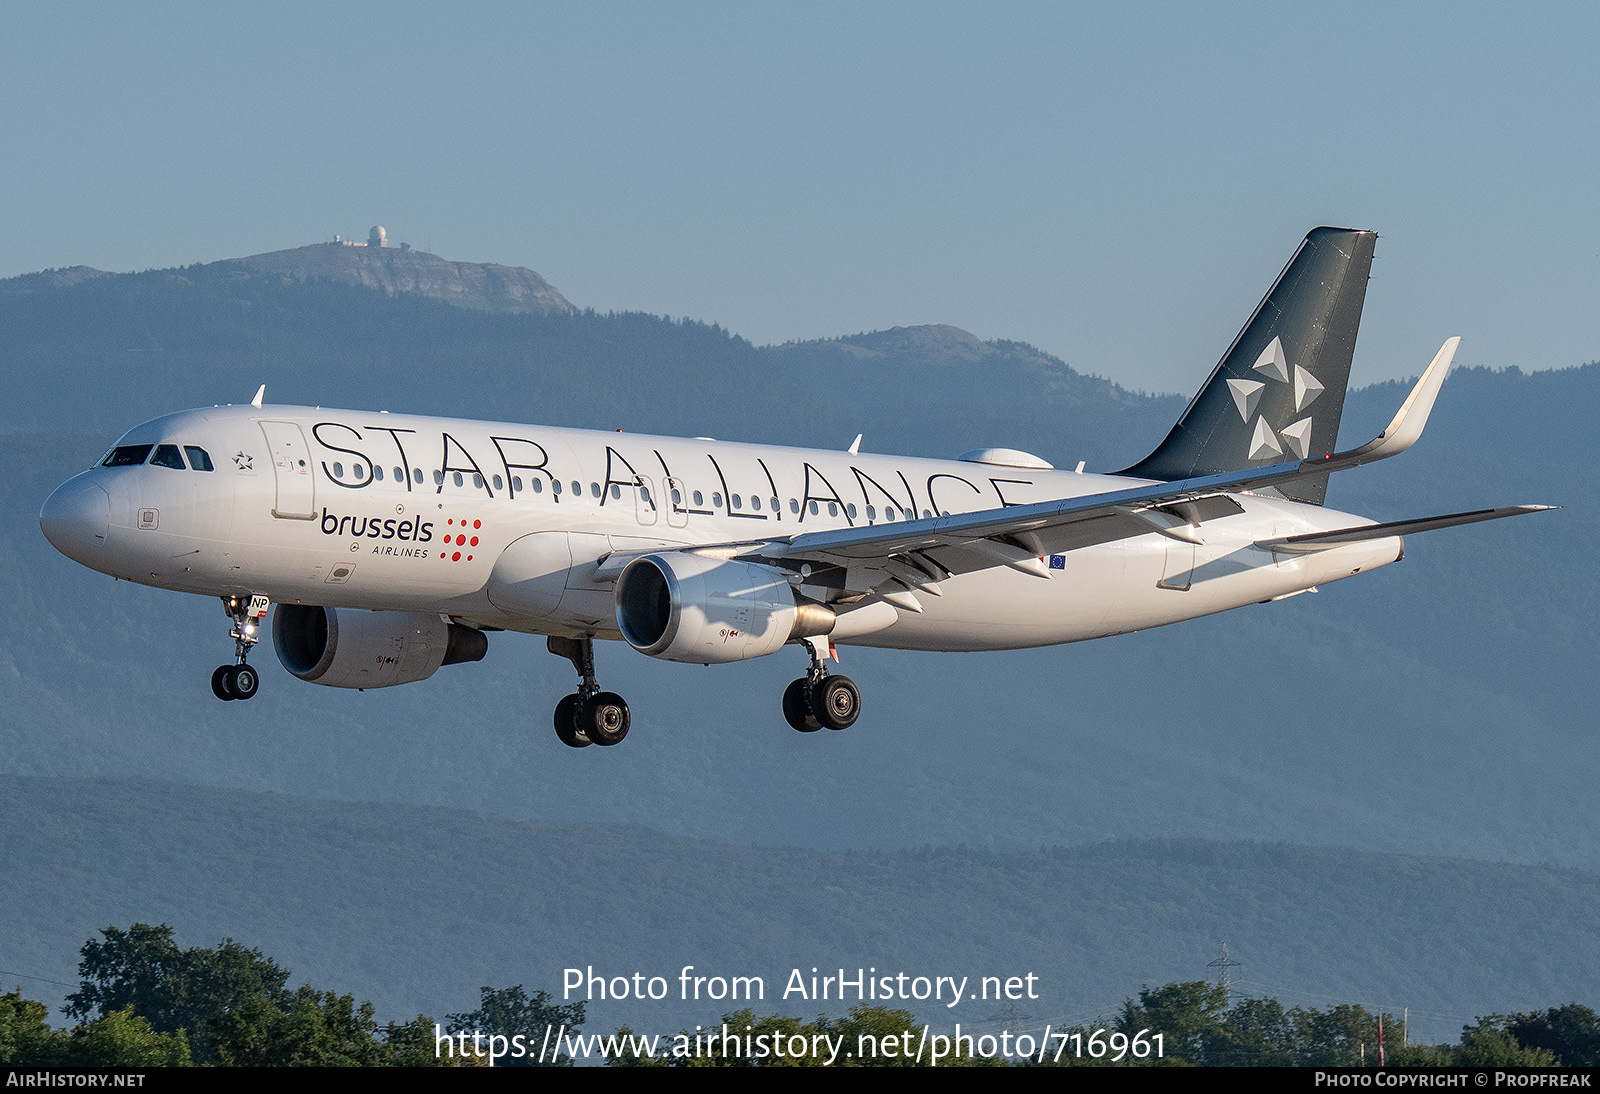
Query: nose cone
75	518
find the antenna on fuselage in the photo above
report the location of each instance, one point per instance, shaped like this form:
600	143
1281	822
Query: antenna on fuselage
855	445
260	394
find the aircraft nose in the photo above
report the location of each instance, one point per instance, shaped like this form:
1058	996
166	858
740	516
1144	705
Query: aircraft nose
75	519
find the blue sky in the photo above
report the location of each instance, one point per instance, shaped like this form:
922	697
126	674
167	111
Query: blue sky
1116	185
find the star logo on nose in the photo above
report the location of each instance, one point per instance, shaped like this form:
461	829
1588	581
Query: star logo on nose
242	462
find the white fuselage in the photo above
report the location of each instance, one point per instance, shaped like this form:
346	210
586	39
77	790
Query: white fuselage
381	511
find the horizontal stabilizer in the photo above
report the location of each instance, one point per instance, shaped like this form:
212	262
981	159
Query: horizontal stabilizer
1322	541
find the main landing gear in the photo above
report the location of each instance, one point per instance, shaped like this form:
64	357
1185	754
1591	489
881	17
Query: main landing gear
239	680
589	716
817	699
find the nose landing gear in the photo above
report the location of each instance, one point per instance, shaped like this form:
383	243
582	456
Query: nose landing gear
817	699
239	680
589	716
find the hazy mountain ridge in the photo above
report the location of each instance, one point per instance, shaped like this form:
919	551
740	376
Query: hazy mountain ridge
417	907
47	280
107	352
480	286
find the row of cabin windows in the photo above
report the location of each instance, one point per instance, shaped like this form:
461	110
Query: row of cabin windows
169	455
159	455
738	502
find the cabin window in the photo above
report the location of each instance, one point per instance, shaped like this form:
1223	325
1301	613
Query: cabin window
399	475
459	480
377	472
167	455
716	499
497	485
872	514
555	486
699	498
477	481
794	506
677	496
577	488
851	509
833	509
775	505
737	503
438	478
417	472
198	459
594	490
616	492
538	486
813	508
644	492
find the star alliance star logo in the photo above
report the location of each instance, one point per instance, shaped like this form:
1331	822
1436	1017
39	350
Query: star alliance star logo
1264	442
242	462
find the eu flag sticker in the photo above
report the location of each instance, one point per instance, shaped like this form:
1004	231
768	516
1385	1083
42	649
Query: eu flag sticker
1058	562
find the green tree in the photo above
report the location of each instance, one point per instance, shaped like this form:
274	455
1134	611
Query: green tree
414	1044
26	1039
123	1039
1341	1036
513	1013
1189	1016
1489	1044
1571	1032
143	969
1255	1033
314	1029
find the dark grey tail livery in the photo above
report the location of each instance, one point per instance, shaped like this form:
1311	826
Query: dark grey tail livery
1278	392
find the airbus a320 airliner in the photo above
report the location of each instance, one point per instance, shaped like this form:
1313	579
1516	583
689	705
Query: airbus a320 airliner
394	544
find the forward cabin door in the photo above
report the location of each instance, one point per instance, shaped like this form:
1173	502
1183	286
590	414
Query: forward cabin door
291	467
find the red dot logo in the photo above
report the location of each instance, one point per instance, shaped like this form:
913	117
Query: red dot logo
477	524
474	541
456	557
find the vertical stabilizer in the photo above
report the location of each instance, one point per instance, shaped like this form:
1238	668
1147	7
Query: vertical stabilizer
1278	392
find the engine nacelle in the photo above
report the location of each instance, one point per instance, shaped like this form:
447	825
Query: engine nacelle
350	648
708	611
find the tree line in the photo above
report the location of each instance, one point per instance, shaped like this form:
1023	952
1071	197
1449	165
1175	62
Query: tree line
144	1001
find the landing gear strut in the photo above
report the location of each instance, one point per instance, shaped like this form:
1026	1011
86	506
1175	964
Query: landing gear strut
589	716
817	699
239	680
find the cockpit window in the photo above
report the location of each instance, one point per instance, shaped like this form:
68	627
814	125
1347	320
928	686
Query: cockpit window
198	459
167	455
126	455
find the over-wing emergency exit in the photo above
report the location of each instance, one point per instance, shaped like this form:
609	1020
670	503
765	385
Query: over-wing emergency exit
393	545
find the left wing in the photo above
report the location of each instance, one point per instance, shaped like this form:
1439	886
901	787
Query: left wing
917	554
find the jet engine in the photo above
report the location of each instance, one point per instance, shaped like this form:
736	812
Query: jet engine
681	606
350	648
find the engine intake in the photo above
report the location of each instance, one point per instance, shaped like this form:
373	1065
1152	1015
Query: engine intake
350	648
681	606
